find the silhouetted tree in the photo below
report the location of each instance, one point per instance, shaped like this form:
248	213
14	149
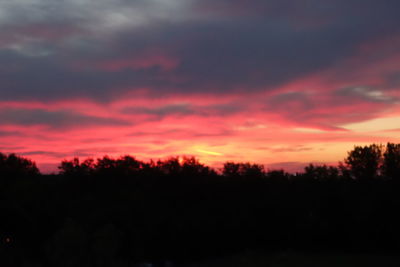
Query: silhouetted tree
75	168
129	164
14	168
232	169
16	165
192	167
364	162
171	166
122	166
391	161
278	176
323	172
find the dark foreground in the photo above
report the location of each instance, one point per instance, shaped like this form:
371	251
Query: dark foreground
299	259
277	259
117	212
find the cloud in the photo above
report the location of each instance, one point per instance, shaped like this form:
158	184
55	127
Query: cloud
298	148
94	15
44	153
9	133
367	94
327	110
54	119
185	109
154	45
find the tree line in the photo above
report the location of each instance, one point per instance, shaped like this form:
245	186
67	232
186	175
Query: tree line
117	210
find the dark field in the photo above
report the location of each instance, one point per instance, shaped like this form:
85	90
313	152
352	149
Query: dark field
298	259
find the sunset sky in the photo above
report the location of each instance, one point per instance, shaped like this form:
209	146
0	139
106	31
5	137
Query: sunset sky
276	82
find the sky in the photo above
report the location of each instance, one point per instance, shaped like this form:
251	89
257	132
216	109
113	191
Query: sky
275	82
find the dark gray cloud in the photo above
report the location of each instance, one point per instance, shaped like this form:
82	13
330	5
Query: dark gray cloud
185	110
393	80
365	94
294	106
178	109
44	153
220	46
10	148
54	119
9	133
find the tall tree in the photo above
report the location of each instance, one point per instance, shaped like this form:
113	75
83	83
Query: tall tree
364	162
391	161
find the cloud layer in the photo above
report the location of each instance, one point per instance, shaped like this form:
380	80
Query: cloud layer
165	77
